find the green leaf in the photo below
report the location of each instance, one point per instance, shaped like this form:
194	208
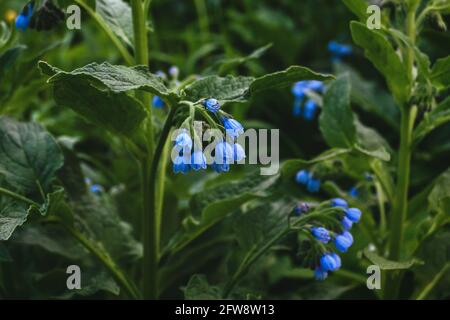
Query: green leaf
439	198
8	58
371	143
226	65
55	205
386	264
238	89
432	120
4	254
95	282
198	288
337	119
117	14
440	73
286	78
290	167
29	156
225	89
116	112
215	204
381	53
115	78
358	7
12	215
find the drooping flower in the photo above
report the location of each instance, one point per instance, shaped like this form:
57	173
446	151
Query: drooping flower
238	152
353	192
313	185
161	74
310	110
180	165
224	167
328	262
343	242
233	127
339	51
183	140
302	177
319	274
23	19
96	188
297	109
198	161
212	105
353	214
321	234
346	223
339	202
157	102
337	259
224	153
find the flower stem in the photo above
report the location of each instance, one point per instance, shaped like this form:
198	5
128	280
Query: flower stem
152	214
17	196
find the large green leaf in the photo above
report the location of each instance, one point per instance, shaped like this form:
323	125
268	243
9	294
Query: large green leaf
437	117
386	264
371	143
238	89
337	119
285	78
29	156
380	52
358	7
116	112
117	14
440	74
214	205
115	78
12	215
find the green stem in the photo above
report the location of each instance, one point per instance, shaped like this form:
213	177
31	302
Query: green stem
102	24
152	215
106	260
19	197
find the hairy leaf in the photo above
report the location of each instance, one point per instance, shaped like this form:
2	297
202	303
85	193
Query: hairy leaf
437	117
440	74
117	14
12	215
386	264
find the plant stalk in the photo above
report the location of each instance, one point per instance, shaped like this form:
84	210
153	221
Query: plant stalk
152	214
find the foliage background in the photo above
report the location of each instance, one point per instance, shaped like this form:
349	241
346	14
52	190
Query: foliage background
33	264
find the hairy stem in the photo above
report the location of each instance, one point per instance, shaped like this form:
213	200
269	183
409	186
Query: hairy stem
152	214
17	196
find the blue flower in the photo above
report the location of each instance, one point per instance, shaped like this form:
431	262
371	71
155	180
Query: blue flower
232	127
343	242
339	202
310	110
302	177
23	19
315	85
183	140
297	109
353	192
180	165
339	51
328	262
298	89
224	167
161	75
198	161
212	105
301	208
319	274
348	235
313	185
174	72
96	188
157	102
224	153
239	152
353	214
346	223
337	259
321	234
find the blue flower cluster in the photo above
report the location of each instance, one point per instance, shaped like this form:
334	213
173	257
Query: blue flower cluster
23	19
306	178
299	90
339	51
330	261
174	72
225	153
